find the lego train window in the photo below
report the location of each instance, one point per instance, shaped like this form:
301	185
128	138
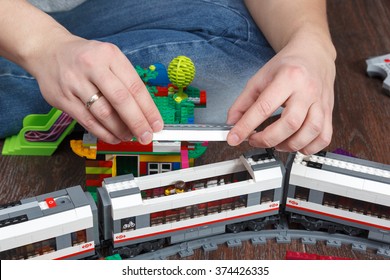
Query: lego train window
30	250
79	237
198	210
356	206
267	196
127	224
301	193
174	188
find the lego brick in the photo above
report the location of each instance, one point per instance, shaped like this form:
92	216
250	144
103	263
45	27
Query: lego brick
316	196
253	199
379	66
118	179
363	175
193	132
58	193
132	146
25	207
77	196
98	170
124	192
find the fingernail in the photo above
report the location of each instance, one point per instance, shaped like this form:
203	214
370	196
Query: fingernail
128	138
233	139
146	137
157	126
115	141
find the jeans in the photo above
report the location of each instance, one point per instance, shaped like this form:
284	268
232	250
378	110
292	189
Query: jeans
219	36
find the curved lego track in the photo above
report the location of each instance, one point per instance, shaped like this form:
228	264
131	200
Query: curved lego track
280	236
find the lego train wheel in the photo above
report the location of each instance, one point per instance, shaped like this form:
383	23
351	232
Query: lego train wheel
128	252
311	223
153	245
262	223
352	231
257	225
235	228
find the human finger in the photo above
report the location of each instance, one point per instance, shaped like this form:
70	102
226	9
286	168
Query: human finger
308	131
270	99
125	105
323	139
102	110
76	109
290	121
126	73
246	99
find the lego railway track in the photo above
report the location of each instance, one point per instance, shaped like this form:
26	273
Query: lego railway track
281	235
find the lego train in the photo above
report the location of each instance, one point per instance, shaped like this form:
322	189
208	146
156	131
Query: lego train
325	191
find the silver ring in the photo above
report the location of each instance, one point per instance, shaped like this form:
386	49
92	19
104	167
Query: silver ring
92	100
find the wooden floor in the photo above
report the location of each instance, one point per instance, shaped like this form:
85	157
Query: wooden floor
361	119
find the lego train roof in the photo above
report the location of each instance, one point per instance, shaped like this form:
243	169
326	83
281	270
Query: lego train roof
342	175
26	221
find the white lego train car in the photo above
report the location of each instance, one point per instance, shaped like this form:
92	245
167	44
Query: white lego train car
141	214
57	225
325	191
339	193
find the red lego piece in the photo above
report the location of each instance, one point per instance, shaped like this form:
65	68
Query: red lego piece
161	91
291	255
51	203
143	168
203	97
132	146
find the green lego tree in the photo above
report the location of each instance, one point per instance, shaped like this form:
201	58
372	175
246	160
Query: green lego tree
181	72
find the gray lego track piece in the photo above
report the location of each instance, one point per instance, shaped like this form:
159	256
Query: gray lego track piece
384	252
334	243
234	243
379	66
331	240
258	240
359	247
308	240
186	253
210	247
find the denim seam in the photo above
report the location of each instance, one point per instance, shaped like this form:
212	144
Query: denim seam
238	13
17	76
171	43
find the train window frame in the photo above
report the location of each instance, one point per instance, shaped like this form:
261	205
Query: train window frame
128	224
198	210
356	206
270	194
303	192
78	237
25	252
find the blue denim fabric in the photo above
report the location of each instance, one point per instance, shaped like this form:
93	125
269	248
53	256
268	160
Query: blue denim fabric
219	36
